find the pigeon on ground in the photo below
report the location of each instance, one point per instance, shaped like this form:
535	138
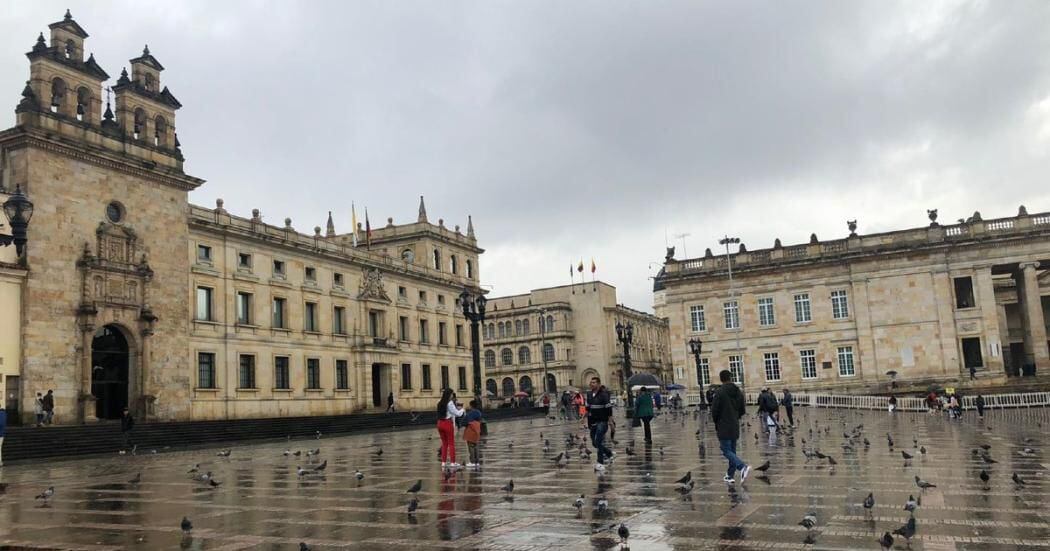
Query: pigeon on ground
988	459
186	525
906	455
809	521
136	479
922	450
911	504
831	461
415	487
866	442
322	466
195	468
1017	480
685	479
301	472
561	460
629	450
287	452
886	541
624	533
47	494
224	453
984	477
922	484
303	546
869	502
359	475
413	505
686	488
214	483
578	504
508	487
763	467
906	531
603	504
379	452
298	453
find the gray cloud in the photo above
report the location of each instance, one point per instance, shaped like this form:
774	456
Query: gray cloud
572	130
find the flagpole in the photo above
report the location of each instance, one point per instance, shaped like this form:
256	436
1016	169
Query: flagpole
572	279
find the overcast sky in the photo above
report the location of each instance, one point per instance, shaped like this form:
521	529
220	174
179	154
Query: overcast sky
574	130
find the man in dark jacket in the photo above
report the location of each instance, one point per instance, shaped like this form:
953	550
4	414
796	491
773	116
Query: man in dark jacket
49	406
127	422
979	402
789	406
599	409
726	410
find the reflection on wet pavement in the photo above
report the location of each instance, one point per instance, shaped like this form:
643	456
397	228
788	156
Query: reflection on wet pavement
259	498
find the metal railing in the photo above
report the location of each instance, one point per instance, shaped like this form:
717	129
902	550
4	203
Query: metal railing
905	403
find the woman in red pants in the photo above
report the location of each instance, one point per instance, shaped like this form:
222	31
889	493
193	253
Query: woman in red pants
447	413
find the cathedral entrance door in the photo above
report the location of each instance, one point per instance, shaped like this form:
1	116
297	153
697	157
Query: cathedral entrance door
109	372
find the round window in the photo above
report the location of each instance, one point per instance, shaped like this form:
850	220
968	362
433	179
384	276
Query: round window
115	212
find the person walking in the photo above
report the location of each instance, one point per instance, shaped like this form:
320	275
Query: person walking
447	412
893	404
789	406
767	404
979	402
127	422
49	406
472	433
38	408
599	410
3	431
581	407
643	409
973	373
727	408
390	402
547	404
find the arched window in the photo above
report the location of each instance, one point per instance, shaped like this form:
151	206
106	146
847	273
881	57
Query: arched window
437	260
517	327
71	49
502	330
492	330
453	264
548	352
550	323
525	326
160	132
524	357
150	83
58	94
139	130
552	383
507	356
508	386
490	358
83	104
490	387
470	270
525	384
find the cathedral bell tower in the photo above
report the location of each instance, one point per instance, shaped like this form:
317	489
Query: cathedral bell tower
145	110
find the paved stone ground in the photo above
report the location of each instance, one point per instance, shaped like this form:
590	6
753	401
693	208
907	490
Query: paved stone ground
263	504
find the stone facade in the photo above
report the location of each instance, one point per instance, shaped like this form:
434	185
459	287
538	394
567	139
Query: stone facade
109	301
922	305
575	324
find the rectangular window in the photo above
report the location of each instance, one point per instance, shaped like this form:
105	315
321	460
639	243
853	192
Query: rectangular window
441	300
771	360
424	332
310	317
205	370
426	376
337	279
696	318
462	372
278	313
278	268
423	297
802	311
406	376
808	359
402	328
971	349
736	367
244	261
459	335
373	323
204	312
402	292
846	361
444	377
203	253
703	372
442	333
244	308
342	375
339	320
246	371
766	317
282	377
310	273
964	292
731	313
313	373
839	305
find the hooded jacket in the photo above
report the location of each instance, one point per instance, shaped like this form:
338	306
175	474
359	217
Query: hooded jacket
726	410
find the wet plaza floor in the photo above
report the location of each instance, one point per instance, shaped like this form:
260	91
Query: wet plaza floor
261	502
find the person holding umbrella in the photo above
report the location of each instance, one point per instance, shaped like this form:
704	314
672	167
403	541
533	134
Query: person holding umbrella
643	409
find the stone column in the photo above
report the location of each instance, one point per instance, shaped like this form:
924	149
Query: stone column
1035	348
143	364
86	399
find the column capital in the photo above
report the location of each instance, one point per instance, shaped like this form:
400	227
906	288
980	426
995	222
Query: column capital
1030	264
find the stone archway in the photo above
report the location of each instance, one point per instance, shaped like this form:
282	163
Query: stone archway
111	359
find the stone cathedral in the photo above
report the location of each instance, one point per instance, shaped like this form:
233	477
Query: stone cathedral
130	296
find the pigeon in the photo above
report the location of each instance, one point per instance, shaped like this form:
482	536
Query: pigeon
546	446
661	451
922	450
889	440
866	442
911	504
629	450
415	487
413	505
624	533
318	435
763	467
287	452
686	488
186	525
869	501
922	484
561	460
809	521
224	453
298	453
603	504
984	477
1017	480
301	472
313	452
359	475
508	487
685	479
831	461
322	466
303	546
379	452
214	483
886	541
195	468
906	531
906	455
988	459
578	504
136	480
47	494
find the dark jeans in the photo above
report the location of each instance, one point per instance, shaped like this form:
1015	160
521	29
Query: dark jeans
980	411
791	414
127	438
648	431
728	448
598	439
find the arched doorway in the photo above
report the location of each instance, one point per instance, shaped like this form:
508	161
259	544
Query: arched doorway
508	386
110	360
525	384
552	383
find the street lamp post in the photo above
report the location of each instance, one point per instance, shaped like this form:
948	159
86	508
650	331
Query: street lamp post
18	209
625	334
474	310
729	264
695	346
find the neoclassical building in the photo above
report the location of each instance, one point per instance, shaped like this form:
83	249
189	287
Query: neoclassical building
128	295
567	334
921	305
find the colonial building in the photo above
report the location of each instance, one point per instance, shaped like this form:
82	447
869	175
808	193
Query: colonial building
923	305
567	334
131	296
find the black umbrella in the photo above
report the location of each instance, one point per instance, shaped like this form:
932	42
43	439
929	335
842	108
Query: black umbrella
643	379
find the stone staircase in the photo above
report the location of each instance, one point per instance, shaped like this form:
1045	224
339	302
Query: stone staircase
24	443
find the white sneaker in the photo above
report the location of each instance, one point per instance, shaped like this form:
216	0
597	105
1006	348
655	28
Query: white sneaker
744	472
454	466
599	467
471	465
728	479
443	464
